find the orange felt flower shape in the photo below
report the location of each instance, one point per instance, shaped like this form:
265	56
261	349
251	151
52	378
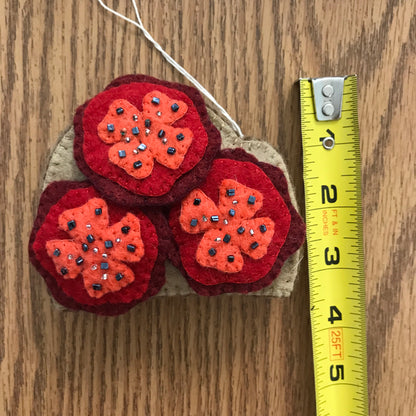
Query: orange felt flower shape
143	141
96	251
135	148
229	229
95	255
235	231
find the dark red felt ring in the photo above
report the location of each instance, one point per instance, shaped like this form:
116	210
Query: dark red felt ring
53	193
183	185
293	242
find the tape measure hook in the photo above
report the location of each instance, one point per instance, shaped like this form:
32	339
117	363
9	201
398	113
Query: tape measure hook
327	95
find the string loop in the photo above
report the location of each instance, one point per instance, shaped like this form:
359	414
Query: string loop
171	61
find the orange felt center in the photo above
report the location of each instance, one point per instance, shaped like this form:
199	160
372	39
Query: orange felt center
97	251
140	138
229	228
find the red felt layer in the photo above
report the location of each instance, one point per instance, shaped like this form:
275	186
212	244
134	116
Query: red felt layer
71	293
292	243
164	186
273	207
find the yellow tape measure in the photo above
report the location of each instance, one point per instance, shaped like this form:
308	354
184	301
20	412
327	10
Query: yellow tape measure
332	177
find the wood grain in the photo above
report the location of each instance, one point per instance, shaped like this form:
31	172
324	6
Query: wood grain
227	355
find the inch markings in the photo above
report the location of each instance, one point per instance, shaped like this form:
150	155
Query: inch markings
332	180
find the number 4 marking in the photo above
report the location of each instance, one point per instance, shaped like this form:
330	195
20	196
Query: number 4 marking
334	314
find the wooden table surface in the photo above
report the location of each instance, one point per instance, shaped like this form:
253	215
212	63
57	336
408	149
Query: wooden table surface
199	356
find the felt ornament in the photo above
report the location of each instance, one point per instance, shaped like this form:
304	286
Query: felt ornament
235	231
62	167
143	141
95	255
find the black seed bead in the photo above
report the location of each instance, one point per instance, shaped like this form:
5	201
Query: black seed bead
251	200
241	230
135	131
119	276
147	123
96	286
110	127
71	225
90	238
231	212
131	248
230	192
104	266
180	137
125	229
194	222
171	150
98	211
79	260
108	244
137	164
174	107
64	271
263	228
227	238
156	100
214	218
230	259
121	153
254	245
197	201
57	252
161	133
212	252
119	111
84	247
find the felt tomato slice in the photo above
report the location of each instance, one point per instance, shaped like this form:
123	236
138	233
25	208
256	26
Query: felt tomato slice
95	255
234	232
143	141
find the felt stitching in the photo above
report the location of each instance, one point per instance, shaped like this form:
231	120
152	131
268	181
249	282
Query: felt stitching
141	137
255	275
229	229
97	251
164	186
149	272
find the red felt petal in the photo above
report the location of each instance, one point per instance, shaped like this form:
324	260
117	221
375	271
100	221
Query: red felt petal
137	163
197	210
64	254
126	235
158	106
98	282
253	242
122	124
226	257
167	149
81	222
245	202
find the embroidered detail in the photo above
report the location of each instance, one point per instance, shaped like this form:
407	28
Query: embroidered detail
231	230
96	250
140	138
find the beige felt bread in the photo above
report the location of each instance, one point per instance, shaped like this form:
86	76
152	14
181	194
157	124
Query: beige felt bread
62	166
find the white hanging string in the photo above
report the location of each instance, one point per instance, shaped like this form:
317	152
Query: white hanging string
178	67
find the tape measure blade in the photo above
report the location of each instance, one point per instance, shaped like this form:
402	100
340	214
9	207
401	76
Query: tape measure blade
332	177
